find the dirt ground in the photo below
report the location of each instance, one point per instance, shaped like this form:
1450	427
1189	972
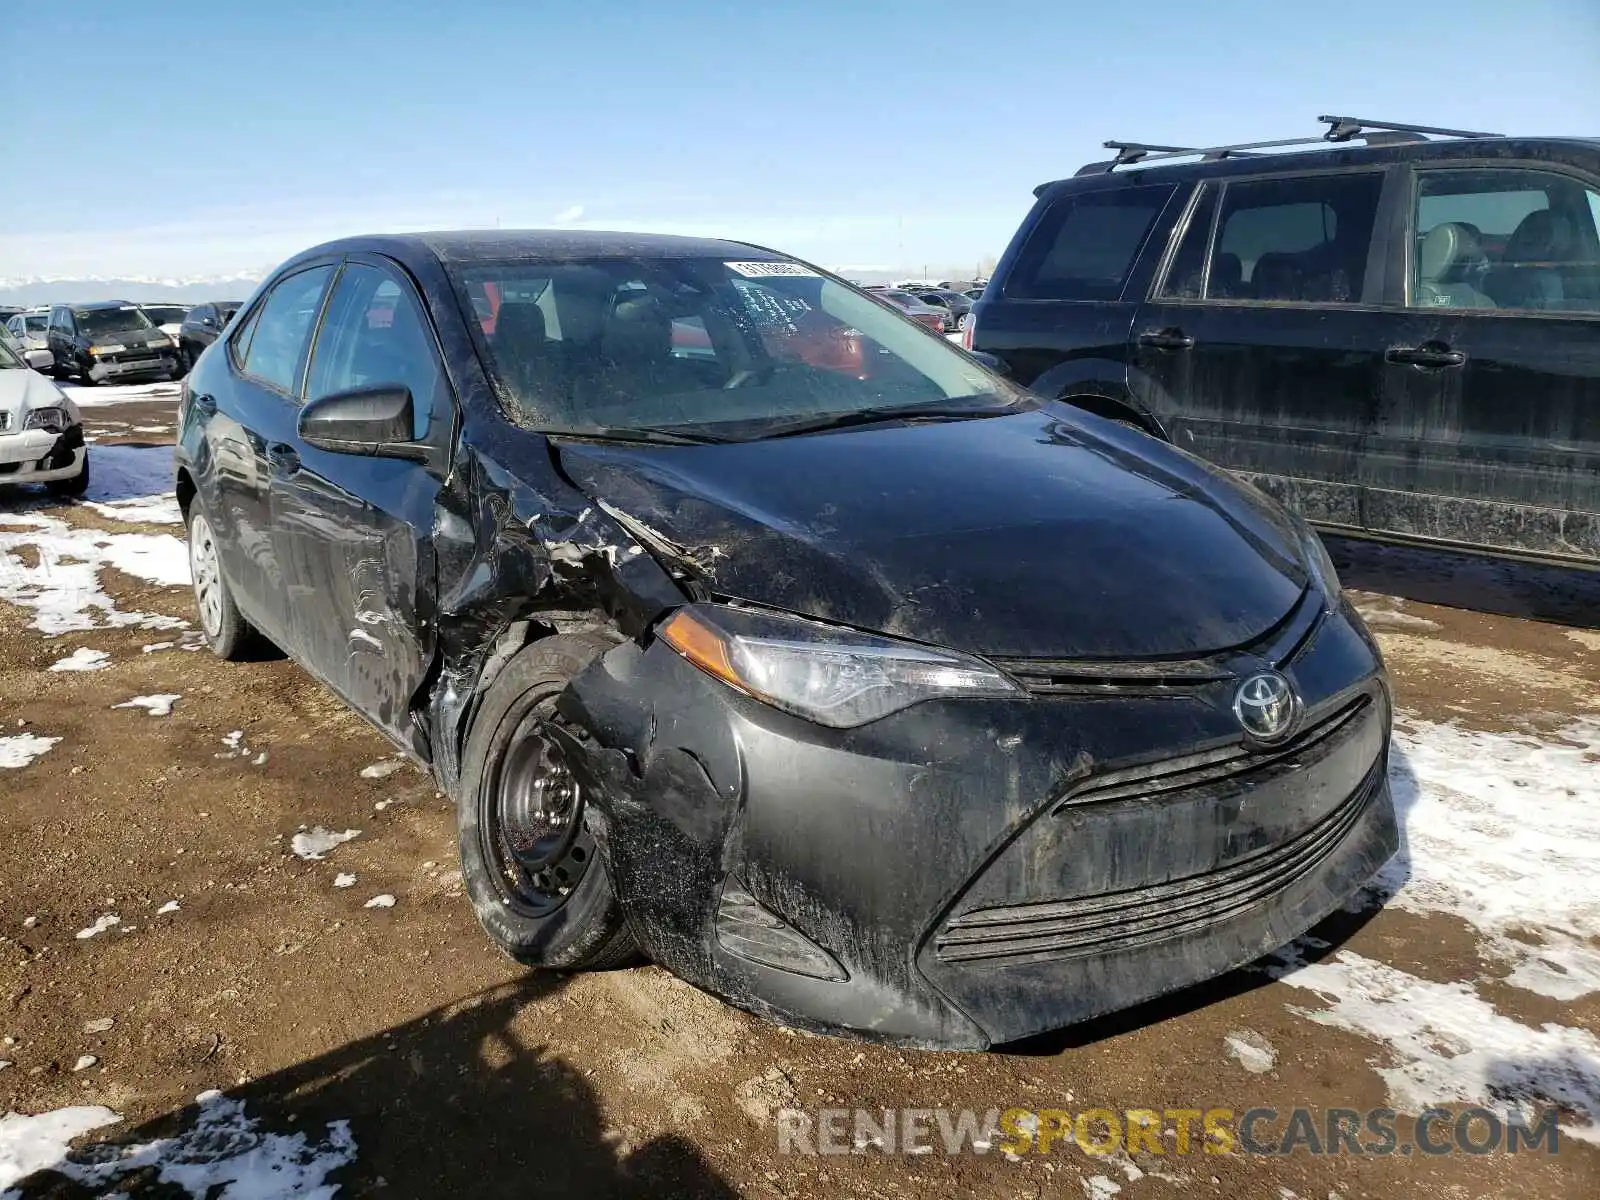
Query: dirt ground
276	979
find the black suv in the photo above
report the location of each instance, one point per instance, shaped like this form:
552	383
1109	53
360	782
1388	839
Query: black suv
112	341
1399	338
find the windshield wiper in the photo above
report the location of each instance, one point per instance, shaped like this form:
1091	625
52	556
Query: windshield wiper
875	416
628	433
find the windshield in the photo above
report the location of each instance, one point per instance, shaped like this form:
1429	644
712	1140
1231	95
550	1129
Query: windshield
98	321
36	322
165	314
702	345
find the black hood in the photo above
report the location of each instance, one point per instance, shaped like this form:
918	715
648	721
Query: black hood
1039	534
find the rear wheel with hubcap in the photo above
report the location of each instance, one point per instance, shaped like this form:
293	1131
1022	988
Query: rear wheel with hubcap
536	877
228	634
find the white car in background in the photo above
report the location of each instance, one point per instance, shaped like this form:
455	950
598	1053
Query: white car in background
41	431
28	330
167	317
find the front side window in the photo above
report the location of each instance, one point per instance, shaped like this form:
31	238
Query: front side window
1302	240
1085	245
276	342
101	322
720	348
375	334
1501	238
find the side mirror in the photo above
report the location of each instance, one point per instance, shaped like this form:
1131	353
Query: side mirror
208	322
39	360
997	365
375	421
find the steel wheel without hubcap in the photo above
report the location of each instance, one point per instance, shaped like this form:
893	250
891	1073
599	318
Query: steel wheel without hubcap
207	575
531	820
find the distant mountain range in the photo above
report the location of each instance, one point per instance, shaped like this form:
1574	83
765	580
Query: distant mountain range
21	292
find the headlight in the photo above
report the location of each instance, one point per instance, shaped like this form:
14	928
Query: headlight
53	419
110	349
1322	569
832	676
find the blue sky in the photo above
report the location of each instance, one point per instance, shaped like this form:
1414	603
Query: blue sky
182	138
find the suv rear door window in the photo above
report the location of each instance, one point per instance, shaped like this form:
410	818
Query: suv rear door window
1501	238
1300	240
1086	244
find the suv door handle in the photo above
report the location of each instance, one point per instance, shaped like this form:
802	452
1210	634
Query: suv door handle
204	403
284	459
1429	354
1166	339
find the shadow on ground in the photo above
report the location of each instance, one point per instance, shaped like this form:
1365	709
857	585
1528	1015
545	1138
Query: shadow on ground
457	1103
1568	596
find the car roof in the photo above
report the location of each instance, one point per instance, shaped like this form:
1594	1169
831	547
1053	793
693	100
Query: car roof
1576	151
96	304
468	246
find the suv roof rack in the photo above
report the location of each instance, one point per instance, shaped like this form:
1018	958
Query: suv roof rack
1340	129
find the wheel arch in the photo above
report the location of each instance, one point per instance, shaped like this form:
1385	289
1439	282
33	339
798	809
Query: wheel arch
1099	386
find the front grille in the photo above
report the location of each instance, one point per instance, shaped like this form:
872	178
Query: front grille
1141	916
1235	763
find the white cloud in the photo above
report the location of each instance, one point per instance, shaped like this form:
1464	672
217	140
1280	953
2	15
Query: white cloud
568	216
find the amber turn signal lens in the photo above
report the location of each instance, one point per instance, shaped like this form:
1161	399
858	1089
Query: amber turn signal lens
705	647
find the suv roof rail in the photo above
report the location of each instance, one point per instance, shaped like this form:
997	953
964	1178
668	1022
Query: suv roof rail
1340	129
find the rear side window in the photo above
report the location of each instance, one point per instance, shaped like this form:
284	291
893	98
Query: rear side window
1085	245
274	345
1299	240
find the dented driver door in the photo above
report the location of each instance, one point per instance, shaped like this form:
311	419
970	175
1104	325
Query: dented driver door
354	531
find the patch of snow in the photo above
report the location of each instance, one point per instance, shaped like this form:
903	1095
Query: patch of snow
154	646
106	395
1503	831
382	770
225	1154
29	922
158	705
171	906
100	925
1252	1051
383	901
1098	1187
20	749
344	880
134	483
315	843
29	1144
63	587
259	759
100	1025
82	659
85	1061
1446	1045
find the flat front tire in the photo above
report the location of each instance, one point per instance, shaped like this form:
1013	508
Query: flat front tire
226	631
537	878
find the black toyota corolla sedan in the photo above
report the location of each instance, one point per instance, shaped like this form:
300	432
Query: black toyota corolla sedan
757	629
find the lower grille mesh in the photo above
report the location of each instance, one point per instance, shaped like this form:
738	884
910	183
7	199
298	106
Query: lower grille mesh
1140	916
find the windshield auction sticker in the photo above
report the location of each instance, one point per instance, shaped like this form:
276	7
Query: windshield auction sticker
762	270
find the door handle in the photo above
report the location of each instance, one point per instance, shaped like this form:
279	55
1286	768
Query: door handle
204	404
284	459
1166	339
1430	354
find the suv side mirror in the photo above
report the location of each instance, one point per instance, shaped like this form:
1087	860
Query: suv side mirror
39	360
374	421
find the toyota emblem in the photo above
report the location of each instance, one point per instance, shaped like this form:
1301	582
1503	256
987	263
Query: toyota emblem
1267	707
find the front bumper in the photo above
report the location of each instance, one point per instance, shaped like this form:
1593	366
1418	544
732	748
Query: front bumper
984	870
104	369
39	456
